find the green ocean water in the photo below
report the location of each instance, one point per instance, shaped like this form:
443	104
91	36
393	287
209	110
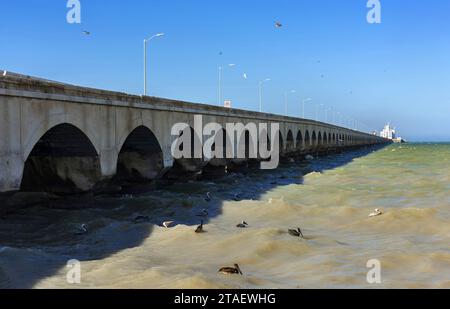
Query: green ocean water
330	198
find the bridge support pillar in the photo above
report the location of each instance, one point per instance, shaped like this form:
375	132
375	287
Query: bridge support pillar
11	161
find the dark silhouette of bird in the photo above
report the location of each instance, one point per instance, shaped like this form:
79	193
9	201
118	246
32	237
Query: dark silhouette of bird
296	233
203	213
278	24
86	32
236	270
242	225
237	197
208	197
200	228
83	229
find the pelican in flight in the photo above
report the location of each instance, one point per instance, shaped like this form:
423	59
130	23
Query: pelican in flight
83	229
231	270
376	213
296	233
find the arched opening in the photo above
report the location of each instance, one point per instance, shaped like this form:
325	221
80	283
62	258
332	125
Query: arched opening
314	138
325	138
217	164
245	150
307	139
319	139
63	161
220	149
188	164
290	147
299	140
141	157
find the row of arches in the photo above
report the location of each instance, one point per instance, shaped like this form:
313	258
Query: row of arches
64	160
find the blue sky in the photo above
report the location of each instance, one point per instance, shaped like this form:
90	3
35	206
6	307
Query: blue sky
397	71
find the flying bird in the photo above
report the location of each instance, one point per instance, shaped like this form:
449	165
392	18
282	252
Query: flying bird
4	73
244	75
278	25
86	32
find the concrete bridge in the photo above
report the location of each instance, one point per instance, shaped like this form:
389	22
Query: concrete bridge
54	135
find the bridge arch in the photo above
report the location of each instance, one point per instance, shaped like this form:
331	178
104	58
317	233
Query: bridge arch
140	157
63	160
187	165
290	146
307	139
314	139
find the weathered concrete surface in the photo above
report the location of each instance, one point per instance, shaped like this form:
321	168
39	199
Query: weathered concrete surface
31	107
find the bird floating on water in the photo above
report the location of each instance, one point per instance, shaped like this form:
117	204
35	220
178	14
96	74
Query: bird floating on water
296	233
168	224
237	197
200	228
236	270
203	213
376	213
208	197
242	225
83	229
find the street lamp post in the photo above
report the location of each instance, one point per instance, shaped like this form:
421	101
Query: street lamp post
260	92
220	82
303	106
317	111
145	59
326	114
